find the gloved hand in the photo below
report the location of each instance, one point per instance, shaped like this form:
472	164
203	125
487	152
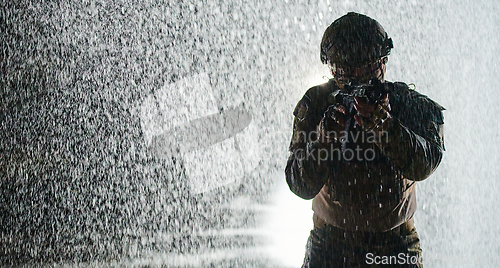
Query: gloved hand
332	124
370	116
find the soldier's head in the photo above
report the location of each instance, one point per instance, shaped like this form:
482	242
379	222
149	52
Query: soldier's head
355	47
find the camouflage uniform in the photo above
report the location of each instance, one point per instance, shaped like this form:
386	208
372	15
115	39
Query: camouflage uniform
365	205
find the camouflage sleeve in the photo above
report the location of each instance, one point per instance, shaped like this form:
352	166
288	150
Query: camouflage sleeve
413	140
304	173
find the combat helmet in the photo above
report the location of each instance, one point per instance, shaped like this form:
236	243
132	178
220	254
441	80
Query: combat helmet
354	40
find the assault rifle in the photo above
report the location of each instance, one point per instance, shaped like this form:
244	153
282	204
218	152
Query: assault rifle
372	93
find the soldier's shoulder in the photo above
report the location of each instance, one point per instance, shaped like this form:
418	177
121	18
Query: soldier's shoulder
414	102
321	90
315	99
318	94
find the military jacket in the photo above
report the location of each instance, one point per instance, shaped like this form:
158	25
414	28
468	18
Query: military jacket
365	182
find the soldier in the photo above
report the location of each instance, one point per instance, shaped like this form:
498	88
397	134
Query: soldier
359	146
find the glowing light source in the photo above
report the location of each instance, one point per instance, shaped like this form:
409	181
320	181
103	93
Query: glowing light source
290	222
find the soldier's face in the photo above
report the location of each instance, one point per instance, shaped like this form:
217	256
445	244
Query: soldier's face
359	75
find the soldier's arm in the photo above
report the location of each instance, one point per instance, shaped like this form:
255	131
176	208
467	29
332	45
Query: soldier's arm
305	174
416	146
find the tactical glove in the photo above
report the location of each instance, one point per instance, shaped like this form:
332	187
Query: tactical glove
332	124
371	116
